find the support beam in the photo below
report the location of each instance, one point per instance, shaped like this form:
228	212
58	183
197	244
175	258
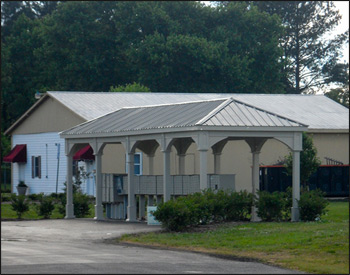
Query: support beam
255	145
151	164
182	164
166	175
98	205
296	186
150	201
159	199
203	171
131	211
69	204
142	207
255	184
217	163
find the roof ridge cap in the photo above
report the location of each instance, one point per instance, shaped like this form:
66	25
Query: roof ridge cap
215	111
175	103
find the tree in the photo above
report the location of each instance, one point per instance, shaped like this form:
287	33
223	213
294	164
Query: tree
130	88
19	204
310	57
340	95
11	10
309	162
166	46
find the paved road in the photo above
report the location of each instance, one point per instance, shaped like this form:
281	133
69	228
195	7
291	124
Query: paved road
81	246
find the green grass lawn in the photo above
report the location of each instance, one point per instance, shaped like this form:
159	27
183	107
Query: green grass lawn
8	213
316	247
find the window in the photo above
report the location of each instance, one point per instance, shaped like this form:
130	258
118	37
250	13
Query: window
36	167
137	164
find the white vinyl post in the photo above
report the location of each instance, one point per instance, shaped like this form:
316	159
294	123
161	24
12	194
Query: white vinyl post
296	186
166	175
69	204
98	205
255	184
131	189
182	164
203	174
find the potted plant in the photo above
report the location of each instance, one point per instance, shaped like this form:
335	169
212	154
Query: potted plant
22	188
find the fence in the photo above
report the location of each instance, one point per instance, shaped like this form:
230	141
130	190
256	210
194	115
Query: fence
331	179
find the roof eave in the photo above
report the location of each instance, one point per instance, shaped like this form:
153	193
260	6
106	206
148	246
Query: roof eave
186	129
333	131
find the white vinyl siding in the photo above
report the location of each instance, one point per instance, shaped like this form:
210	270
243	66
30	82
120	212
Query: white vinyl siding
42	149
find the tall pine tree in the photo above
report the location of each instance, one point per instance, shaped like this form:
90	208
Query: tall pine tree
311	56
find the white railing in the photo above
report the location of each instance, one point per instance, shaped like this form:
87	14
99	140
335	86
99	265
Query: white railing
115	187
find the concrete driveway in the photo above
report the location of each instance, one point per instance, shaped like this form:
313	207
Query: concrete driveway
80	246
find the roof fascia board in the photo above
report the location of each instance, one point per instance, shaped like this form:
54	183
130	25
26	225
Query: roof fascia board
33	108
186	129
330	131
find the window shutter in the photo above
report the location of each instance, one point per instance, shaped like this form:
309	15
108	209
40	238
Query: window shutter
33	166
39	165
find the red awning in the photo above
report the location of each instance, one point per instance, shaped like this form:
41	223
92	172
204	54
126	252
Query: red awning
17	154
85	153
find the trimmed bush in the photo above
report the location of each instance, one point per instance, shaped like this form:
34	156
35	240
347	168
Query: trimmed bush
174	214
33	197
80	202
218	203
288	202
238	206
45	206
270	206
201	207
19	204
204	208
5	197
312	205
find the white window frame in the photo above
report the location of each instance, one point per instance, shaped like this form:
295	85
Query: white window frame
36	167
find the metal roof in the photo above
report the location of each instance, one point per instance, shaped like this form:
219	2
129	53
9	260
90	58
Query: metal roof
317	111
218	112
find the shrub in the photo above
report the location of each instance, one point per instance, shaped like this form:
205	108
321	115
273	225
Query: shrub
238	206
33	197
22	184
174	214
5	197
19	204
288	203
201	207
312	205
80	202
218	203
270	206
45	206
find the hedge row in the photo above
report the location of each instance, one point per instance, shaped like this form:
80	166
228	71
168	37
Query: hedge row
209	206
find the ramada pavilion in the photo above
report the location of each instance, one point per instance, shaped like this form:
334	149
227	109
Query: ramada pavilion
210	124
